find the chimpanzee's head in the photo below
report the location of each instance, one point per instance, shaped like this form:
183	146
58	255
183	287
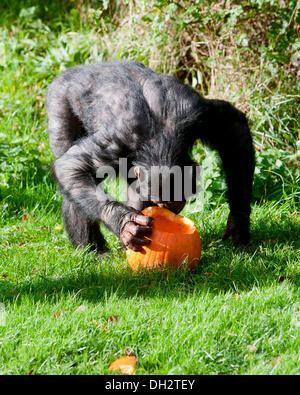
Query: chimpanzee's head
166	176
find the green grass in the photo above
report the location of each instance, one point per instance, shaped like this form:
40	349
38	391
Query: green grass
209	316
198	322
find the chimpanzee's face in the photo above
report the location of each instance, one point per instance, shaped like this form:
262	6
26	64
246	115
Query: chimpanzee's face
175	207
163	186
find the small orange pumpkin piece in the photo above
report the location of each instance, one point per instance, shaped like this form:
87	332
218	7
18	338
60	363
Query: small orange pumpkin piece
174	241
124	364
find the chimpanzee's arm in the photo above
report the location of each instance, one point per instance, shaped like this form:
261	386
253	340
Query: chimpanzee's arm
230	135
75	172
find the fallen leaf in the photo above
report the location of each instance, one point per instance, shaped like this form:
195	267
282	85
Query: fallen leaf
57	314
268	242
81	307
113	319
98	324
237	296
125	364
251	348
41	146
95	322
275	361
58	227
25	217
283	278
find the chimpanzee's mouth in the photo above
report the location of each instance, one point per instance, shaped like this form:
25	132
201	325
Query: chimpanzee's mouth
175	207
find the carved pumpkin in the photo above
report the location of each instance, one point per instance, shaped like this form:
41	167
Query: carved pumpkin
174	241
125	365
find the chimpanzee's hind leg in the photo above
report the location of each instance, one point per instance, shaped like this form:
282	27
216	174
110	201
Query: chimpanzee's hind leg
82	232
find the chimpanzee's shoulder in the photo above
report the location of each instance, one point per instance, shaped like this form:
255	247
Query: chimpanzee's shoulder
108	70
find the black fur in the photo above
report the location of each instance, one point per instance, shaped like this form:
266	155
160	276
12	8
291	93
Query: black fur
98	113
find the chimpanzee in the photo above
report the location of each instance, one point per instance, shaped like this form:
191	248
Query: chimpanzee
101	112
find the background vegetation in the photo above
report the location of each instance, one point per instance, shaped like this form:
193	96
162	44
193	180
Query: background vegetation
247	52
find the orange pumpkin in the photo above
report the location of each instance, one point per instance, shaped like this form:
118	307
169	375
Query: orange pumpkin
125	365
174	241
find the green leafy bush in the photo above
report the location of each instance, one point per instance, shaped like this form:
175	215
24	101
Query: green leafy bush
275	176
246	52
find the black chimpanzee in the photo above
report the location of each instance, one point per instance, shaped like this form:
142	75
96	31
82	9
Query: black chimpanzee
101	112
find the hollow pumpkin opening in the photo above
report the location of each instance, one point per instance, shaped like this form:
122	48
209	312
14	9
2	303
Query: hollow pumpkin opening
168	222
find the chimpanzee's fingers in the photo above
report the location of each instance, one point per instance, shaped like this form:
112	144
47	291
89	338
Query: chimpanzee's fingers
128	239
142	219
134	248
236	239
138	230
226	234
144	230
230	228
241	238
138	241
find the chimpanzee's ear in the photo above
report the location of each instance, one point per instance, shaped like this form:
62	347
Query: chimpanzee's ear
137	172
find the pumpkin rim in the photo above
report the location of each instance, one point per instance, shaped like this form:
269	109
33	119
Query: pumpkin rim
188	225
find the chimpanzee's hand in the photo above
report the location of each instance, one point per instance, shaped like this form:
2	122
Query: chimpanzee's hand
238	225
134	227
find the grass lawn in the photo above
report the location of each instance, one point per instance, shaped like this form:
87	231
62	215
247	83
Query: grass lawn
238	312
200	322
